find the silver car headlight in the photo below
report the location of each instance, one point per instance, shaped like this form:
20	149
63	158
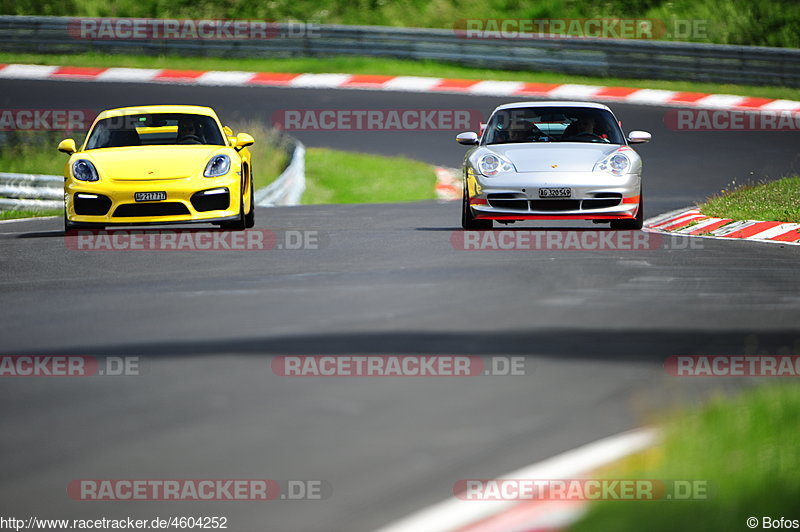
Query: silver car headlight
615	164
492	164
217	166
84	170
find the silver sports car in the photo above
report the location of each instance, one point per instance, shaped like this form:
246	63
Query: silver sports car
552	161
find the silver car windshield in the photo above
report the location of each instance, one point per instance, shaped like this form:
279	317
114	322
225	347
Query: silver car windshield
553	124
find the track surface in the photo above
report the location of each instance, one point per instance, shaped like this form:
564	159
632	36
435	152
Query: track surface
595	327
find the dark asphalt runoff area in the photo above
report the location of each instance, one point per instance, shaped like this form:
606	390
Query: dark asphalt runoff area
594	328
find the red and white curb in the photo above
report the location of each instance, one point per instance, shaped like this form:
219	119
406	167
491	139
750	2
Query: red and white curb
401	84
459	515
691	222
449	185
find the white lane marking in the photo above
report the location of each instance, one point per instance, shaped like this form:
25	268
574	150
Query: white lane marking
719	101
733	227
320	81
700	225
454	513
142	75
655	220
496	88
680	219
655	96
775	231
781	105
27	71
411	83
569	90
220	77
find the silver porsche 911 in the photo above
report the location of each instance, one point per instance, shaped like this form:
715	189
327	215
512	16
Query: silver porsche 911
552	161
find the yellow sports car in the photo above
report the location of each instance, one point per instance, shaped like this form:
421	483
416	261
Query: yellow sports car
159	164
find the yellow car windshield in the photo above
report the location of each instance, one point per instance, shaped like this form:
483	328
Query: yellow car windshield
155	129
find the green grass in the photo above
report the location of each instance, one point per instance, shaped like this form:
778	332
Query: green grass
10	215
745	447
344	177
777	201
28	152
268	154
391	67
758	22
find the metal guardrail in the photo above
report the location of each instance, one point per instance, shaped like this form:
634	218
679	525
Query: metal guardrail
585	56
31	192
290	185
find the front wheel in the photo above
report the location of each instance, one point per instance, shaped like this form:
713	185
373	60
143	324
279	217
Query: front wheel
468	222
250	218
636	223
240	223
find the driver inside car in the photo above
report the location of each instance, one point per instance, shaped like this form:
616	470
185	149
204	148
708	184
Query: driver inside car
585	127
189	131
524	131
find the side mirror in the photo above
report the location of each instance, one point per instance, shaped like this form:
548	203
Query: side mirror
468	138
228	132
67	146
639	137
243	140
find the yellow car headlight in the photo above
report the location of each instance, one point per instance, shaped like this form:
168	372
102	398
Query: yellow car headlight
218	165
84	170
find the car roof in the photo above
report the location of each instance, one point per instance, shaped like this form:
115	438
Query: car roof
516	105
147	109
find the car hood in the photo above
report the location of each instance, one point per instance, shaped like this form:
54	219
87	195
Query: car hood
554	157
151	162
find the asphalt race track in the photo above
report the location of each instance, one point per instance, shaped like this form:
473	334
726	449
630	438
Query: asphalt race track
594	328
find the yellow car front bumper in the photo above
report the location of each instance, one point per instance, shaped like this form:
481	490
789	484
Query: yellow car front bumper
193	199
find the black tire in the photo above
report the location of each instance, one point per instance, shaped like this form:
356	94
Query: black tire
468	222
250	218
636	223
240	224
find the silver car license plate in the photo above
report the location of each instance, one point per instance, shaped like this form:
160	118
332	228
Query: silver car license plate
555	192
149	196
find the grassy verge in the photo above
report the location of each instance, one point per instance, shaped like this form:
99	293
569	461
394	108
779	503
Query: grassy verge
391	67
745	447
343	177
268	155
10	215
759	22
774	201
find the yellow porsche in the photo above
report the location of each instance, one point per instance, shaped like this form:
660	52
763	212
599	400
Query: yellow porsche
158	164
